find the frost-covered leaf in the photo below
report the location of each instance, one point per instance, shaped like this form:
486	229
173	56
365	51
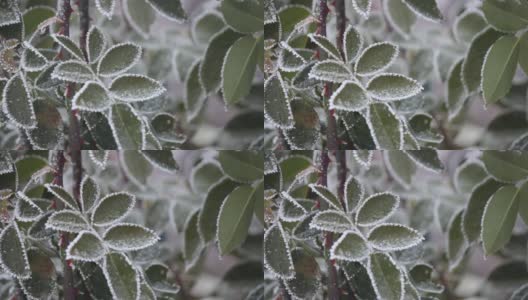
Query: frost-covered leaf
427	158
520	293
42	282
92	97
423	128
399	16
172	10
118	59
290	210
9	13
243	16
389	87
164	126
87	246
331	71
13	256
162	159
350	96
326	195
206	25
113	208
456	92
499	218
499	68
68	221
99	157
506	166
276	102
392	237
472	65
16	102
239	68
127	127
235	216
456	240
386	277
351	246
132	88
508	16
106	7
427	9
211	67
362	7
332	221
211	208
35	18
193	242
6	162
73	71
385	126
26	210
421	278
204	175
137	168
32	60
376	58
277	256
291	60
306	132
49	131
363	157
89	193
121	276
354	192
242	166
468	24
156	275
129	237
325	44
468	175
472	219
195	96
44	81
63	195
69	45
400	166
307	280
96	44
140	15
377	208
352	43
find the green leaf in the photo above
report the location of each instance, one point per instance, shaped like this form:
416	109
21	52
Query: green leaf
307	280
385	127
359	280
164	126
350	96
195	95
508	15
306	132
96	44
156	275
290	210
118	59
211	208
127	127
69	45
376	58
242	166
352	43
351	246
68	221
499	218
354	193
472	219
32	60
386	277
400	166
277	257
472	66
140	15
332	221
523	55
206	26
204	175
326	195
499	68
235	217
136	167
377	208
73	71
362	7
426	158
63	195
456	92
49	131
86	247
468	24
325	44
277	107
400	16
113	208
13	256
132	88
89	193
421	278
34	16
239	68
106	7
172	10
331	71
121	276
427	9
211	67
193	242
507	166
243	16
163	159
17	104
393	237
423	128
469	175
456	240
389	87
523	202
129	237
92	97
42	282
26	210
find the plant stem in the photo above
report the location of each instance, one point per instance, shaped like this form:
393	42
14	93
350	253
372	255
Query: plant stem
340	23
341	175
